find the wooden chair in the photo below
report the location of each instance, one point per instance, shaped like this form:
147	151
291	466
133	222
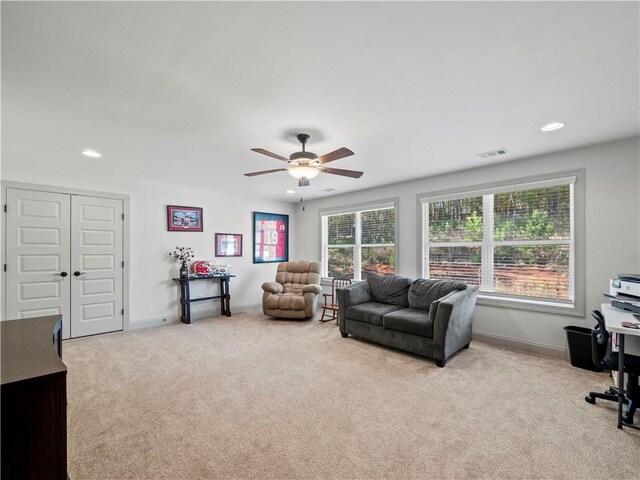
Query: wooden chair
330	307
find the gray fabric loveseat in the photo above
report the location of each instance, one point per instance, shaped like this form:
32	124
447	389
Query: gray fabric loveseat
431	318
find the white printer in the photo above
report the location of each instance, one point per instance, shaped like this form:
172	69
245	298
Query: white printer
624	292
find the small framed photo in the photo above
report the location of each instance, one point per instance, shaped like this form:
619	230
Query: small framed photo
270	237
228	245
184	219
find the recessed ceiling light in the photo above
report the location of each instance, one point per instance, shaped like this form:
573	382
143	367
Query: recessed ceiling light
550	127
290	192
91	153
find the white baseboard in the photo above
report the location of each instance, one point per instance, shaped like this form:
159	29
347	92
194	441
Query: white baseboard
154	322
199	315
522	345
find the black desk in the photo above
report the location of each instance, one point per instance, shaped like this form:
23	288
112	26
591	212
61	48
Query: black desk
34	400
186	300
613	318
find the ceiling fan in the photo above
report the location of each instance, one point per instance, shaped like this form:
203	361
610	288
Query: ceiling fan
304	165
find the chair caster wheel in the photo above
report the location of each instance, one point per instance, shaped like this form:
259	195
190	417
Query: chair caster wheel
590	399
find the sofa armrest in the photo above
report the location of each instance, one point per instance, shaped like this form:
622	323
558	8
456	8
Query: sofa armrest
273	287
349	295
312	288
452	321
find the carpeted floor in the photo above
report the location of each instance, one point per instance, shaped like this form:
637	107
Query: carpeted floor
248	397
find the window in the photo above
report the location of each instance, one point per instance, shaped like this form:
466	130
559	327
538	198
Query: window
515	242
356	242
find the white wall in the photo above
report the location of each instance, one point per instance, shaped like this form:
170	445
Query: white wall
612	214
153	295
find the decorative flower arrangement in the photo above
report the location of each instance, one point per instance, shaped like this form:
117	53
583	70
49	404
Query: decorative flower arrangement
184	254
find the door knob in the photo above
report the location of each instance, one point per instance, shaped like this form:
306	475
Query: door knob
62	274
77	274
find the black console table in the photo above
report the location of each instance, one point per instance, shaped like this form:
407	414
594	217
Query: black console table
186	300
34	400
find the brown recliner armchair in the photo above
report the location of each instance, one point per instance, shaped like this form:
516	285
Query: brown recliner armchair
295	292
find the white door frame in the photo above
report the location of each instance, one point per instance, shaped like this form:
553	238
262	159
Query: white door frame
70	191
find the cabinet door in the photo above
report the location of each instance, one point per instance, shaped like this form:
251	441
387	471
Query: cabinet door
96	265
38	256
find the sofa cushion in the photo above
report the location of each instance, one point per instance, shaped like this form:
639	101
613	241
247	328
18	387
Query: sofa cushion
370	312
425	291
285	301
391	289
409	320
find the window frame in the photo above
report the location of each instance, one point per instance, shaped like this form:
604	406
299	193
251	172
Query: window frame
576	262
357	246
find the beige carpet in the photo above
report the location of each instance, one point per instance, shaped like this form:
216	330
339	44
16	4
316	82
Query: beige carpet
249	397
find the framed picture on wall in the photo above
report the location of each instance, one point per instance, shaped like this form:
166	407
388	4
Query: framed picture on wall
184	219
270	237
228	245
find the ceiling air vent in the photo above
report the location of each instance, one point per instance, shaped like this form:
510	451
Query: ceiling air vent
492	153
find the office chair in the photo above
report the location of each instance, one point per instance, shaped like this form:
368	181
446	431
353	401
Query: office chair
605	358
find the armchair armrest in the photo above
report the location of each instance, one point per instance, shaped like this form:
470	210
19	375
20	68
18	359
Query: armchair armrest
313	288
452	321
272	287
349	295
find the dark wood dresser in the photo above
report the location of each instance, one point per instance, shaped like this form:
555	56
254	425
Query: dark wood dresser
34	399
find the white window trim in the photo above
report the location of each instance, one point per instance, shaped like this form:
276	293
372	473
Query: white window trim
576	265
357	209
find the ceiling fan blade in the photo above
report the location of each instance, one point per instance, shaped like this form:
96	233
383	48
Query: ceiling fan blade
263	172
335	155
340	171
269	154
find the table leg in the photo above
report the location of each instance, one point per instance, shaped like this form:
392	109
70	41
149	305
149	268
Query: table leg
620	377
227	298
186	302
223	307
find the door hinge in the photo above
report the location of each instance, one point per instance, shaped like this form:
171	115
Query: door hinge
5	267
123	264
122	312
5	208
123	216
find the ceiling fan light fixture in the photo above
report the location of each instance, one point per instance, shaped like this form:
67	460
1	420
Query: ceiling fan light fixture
303	172
303	156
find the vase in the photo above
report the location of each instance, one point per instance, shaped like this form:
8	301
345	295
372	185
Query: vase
184	270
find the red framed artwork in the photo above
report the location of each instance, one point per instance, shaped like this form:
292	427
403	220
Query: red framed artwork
228	245
184	219
270	237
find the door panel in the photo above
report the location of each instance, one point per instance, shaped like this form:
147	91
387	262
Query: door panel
39	290
38	238
96	254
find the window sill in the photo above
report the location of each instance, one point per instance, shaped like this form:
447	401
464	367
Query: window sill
570	309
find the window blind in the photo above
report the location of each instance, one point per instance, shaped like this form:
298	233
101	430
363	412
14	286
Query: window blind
356	243
518	241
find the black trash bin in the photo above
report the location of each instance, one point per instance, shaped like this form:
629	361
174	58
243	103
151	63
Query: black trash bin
579	339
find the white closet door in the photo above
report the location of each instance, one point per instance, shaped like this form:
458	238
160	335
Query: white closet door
38	257
96	265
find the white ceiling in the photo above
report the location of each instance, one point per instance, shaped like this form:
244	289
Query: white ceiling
181	92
